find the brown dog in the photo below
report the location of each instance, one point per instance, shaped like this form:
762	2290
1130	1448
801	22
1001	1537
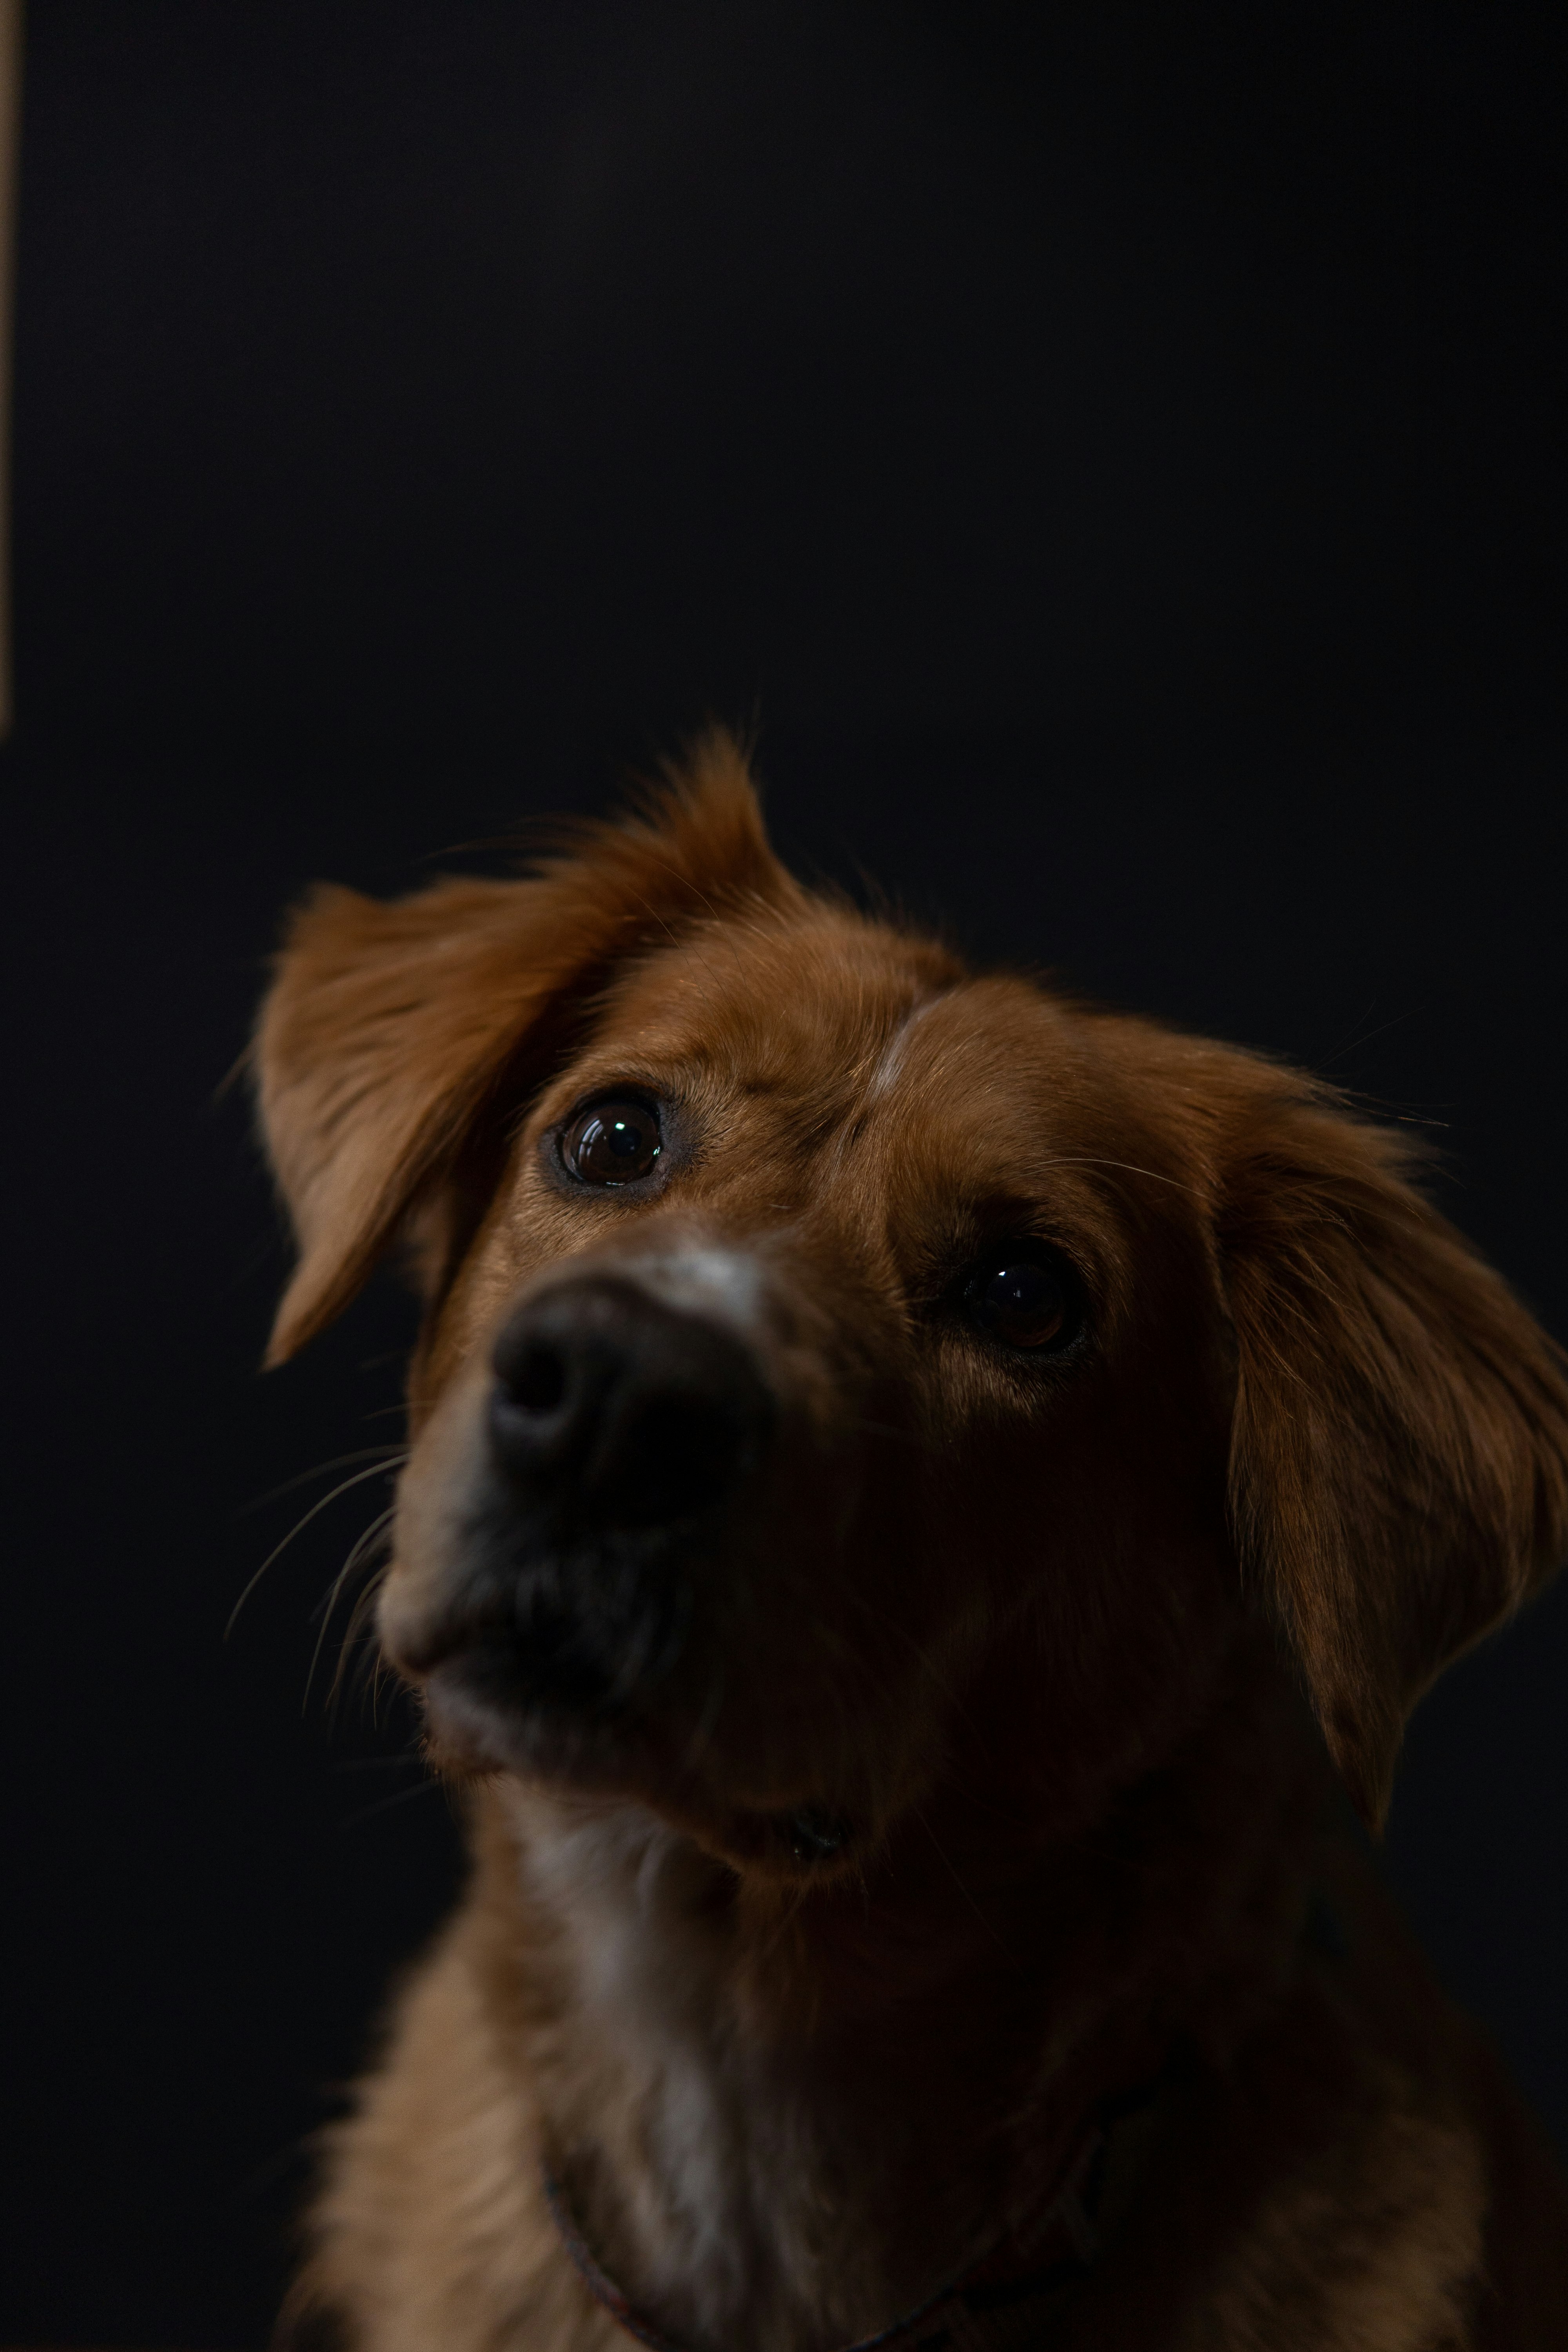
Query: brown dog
890	1446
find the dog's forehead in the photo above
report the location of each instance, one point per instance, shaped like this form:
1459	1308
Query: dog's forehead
862	1036
779	1007
992	1093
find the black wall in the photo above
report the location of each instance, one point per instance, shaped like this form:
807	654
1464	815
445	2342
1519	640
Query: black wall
1117	455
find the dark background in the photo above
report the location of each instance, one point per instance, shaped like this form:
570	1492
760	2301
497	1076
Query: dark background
1116	456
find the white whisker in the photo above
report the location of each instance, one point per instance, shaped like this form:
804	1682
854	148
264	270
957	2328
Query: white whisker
376	1528
366	1452
377	1469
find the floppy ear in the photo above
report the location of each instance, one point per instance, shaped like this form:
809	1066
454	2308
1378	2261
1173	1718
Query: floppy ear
394	1035
1399	1462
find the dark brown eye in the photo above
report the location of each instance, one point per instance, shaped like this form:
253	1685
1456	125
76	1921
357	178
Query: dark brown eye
1021	1297
611	1142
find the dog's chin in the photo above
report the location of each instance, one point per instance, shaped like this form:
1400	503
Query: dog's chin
548	1659
475	1726
473	1734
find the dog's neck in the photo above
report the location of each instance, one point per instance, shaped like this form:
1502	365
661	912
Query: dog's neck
697	2137
794	2119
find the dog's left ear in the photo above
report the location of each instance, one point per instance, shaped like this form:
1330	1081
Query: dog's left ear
1399	1461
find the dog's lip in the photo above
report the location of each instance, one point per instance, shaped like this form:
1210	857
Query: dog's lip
420	1652
459	1715
468	1731
553	1632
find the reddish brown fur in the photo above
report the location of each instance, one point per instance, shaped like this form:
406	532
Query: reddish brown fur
1032	1636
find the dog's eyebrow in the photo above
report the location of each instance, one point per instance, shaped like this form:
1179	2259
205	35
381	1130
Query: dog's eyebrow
885	1072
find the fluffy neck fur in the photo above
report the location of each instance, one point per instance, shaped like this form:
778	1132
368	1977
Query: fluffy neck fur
793	2118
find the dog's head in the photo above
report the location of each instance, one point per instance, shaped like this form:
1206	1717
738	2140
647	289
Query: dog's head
835	1359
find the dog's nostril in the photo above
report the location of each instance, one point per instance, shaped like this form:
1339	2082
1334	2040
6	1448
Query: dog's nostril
538	1382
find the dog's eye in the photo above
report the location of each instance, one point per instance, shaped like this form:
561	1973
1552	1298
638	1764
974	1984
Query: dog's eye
611	1142
1021	1297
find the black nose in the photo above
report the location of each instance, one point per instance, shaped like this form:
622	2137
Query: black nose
614	1412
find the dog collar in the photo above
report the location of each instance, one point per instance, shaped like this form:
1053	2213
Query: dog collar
994	2305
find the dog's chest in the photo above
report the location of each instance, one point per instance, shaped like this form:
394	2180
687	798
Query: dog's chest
698	2143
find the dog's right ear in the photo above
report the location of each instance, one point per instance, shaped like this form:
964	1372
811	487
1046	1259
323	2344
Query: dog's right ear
392	1035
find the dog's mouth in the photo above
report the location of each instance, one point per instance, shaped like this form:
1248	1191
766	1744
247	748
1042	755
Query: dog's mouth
617	1440
580	1605
553	1657
583	1628
608	1464
481	1720
582	1697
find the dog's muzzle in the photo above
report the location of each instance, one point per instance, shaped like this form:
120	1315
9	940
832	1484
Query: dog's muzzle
622	1431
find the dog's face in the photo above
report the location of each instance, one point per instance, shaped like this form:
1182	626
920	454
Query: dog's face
837	1364
838	1322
